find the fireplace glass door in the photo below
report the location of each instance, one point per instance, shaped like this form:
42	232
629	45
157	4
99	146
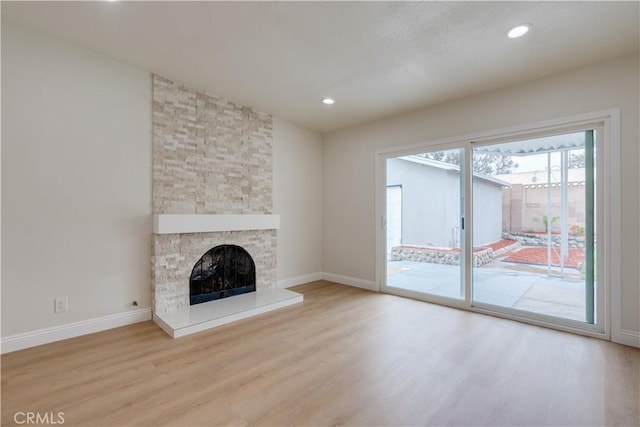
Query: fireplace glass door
223	271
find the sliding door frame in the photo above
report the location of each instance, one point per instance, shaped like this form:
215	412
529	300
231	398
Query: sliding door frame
381	264
607	125
599	321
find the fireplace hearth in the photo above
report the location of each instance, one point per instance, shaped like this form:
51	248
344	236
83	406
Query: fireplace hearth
223	271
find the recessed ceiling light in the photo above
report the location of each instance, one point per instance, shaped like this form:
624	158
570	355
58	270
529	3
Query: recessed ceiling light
519	31
328	101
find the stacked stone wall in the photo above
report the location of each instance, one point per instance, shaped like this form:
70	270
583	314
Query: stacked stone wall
210	156
436	256
541	239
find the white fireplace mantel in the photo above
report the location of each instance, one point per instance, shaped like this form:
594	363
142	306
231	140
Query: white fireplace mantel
177	224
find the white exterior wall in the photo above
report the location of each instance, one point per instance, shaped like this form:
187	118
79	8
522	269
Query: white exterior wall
487	212
431	205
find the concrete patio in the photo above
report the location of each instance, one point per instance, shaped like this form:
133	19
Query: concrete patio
519	286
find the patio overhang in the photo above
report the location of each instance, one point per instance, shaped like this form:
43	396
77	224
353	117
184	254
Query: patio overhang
570	141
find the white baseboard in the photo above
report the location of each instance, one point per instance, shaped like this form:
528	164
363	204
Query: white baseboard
627	337
71	330
337	278
351	281
299	280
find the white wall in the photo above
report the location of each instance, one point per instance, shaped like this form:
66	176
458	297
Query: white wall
348	165
76	182
297	197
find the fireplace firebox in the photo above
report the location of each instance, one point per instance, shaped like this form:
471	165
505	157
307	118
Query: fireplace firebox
223	271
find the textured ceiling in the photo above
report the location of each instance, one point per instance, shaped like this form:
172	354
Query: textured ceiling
375	58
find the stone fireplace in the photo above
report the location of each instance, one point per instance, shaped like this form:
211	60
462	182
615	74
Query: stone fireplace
212	187
181	251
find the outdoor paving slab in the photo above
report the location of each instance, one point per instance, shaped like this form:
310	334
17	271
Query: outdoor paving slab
565	311
534	292
561	283
497	282
542	290
495	298
554	297
443	280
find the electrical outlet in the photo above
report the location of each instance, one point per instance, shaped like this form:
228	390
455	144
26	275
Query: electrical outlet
60	304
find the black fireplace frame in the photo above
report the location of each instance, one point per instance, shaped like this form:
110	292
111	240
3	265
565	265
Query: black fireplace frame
223	271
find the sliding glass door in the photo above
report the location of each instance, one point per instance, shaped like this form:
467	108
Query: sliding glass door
424	236
506	226
539	236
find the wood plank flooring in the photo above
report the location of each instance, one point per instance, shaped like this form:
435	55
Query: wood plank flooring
344	357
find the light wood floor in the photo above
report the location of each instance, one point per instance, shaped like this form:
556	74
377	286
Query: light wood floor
344	357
